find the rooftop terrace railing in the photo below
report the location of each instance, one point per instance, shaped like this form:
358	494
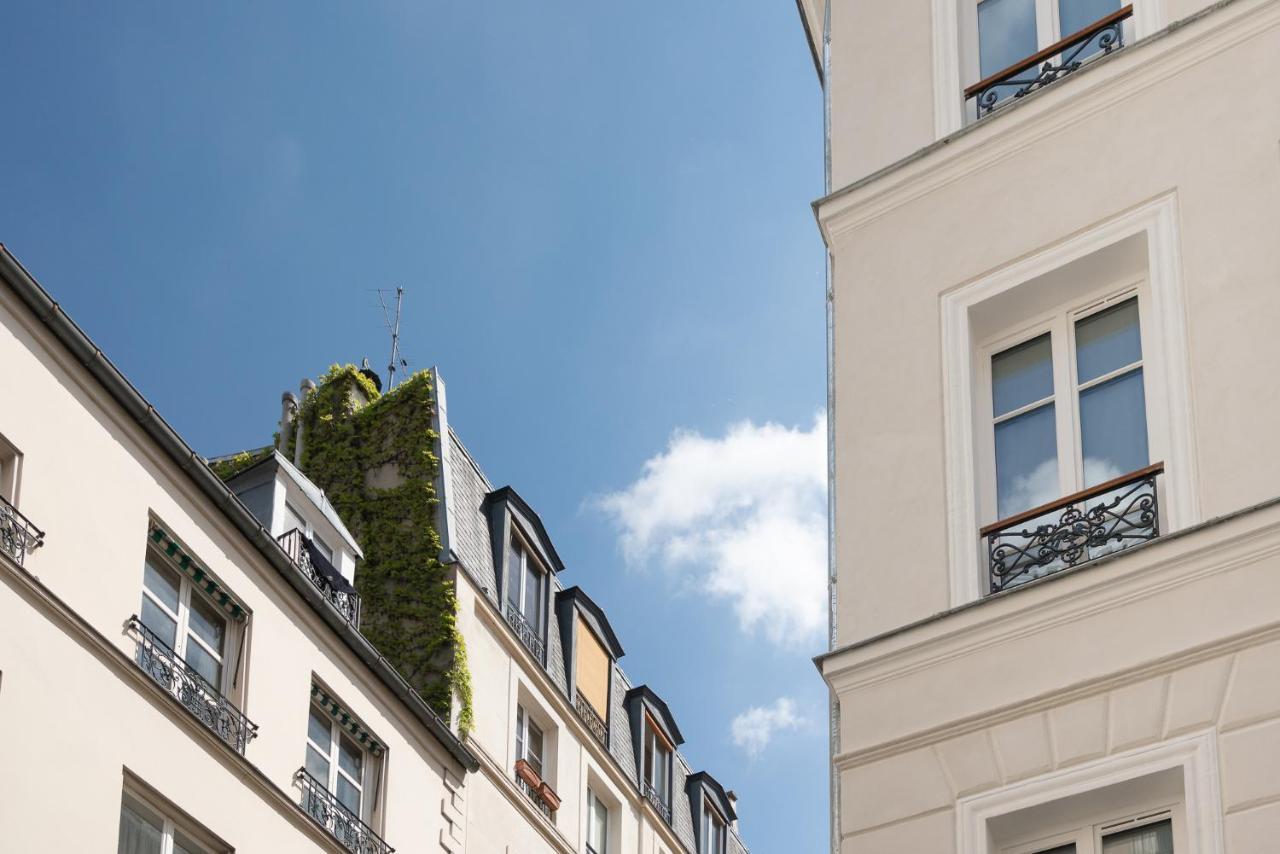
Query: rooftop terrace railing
1082	526
323	574
1050	64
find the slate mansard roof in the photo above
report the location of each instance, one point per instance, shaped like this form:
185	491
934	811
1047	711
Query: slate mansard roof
470	541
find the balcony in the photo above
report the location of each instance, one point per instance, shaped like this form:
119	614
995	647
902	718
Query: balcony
17	535
591	718
654	797
323	574
342	824
537	789
1087	525
529	636
190	689
1050	64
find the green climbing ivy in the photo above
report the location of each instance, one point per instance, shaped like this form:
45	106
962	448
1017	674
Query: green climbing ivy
229	468
374	455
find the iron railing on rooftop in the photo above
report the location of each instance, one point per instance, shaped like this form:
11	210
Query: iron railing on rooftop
322	573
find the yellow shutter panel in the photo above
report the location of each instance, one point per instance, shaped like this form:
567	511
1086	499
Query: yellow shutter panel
593	670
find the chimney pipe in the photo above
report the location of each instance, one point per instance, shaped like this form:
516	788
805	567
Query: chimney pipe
307	388
288	412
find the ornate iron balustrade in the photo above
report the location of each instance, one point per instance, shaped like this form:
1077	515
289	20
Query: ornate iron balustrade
323	574
17	535
1100	520
591	718
342	824
655	800
191	689
1048	65
529	636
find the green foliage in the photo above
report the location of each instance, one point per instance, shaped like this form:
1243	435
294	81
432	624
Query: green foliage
377	463
227	469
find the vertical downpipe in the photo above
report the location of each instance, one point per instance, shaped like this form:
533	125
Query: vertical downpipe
834	735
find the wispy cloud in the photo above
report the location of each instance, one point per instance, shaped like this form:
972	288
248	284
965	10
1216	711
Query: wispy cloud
754	729
744	516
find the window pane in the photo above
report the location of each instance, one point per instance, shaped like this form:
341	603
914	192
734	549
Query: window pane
1006	33
1026	461
348	795
1113	428
1152	839
324	548
163	582
1021	375
138	835
515	573
159	623
318	727
1107	341
1075	15
183	845
207	623
533	596
350	758
534	747
598	829
317	766
204	664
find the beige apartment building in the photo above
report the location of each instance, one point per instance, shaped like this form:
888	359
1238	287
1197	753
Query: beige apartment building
1054	281
184	670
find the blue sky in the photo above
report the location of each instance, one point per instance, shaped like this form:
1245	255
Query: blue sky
600	216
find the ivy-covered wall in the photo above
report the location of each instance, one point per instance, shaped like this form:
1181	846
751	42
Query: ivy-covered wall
377	462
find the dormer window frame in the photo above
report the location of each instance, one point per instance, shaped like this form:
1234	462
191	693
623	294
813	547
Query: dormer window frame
577	613
713	812
648	768
517	578
513	525
711	819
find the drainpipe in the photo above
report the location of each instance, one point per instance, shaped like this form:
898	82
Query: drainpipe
307	388
834	735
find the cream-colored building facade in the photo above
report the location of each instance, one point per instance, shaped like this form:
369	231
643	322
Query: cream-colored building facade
1052	232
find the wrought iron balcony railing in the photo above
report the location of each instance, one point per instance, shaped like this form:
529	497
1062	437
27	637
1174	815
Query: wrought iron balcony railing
323	574
536	789
342	824
528	634
1078	528
591	718
1046	66
655	800
191	689
17	535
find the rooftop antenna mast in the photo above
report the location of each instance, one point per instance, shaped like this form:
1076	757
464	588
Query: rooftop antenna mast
394	329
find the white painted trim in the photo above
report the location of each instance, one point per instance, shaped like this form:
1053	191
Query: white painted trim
1167	370
1196	755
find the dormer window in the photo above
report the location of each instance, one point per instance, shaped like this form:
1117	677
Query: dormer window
657	767
526	597
714	829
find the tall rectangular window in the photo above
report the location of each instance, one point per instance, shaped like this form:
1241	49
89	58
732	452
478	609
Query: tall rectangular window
657	762
526	585
714	830
529	741
336	762
597	824
185	621
1069	407
147	830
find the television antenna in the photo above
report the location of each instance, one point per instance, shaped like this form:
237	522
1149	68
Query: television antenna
394	328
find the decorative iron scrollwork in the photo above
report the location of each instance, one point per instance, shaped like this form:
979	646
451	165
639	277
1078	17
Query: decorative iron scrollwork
341	823
189	688
1125	512
17	535
1039	71
529	636
655	800
321	573
591	718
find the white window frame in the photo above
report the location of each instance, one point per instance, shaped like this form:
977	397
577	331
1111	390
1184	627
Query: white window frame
10	471
1195	755
169	828
516	578
523	723
367	774
1089	838
1060	325
1166	378
654	735
955	51
712	817
186	590
593	801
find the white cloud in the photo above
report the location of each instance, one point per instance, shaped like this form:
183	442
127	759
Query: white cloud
743	516
754	729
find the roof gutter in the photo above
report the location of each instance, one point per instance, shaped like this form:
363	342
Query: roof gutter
42	305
